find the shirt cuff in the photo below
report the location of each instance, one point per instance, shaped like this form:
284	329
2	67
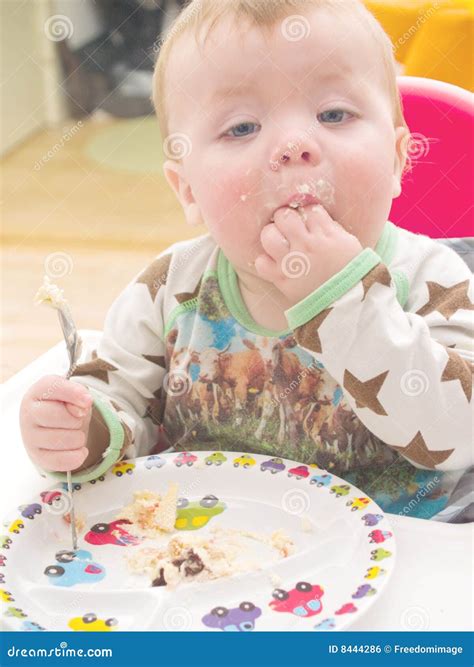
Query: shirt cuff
111	454
332	289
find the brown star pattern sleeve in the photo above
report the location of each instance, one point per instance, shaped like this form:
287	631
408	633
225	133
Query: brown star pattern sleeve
406	370
129	365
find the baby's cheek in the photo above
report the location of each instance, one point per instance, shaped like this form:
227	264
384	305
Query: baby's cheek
363	193
228	192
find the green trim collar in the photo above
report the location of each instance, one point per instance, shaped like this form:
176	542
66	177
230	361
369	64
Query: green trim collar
232	296
228	281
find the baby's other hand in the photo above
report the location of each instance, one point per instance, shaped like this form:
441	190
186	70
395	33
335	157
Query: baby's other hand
303	249
55	415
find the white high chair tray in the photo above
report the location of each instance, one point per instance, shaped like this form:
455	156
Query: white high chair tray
430	588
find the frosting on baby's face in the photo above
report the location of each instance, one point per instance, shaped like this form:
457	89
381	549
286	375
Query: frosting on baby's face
269	118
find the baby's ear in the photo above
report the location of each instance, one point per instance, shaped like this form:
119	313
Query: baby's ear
174	174
402	135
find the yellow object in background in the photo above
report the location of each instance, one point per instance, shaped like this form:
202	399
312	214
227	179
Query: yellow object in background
431	39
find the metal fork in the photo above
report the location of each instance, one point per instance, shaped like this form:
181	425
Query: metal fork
73	346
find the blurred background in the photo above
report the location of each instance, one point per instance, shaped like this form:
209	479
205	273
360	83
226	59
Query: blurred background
84	198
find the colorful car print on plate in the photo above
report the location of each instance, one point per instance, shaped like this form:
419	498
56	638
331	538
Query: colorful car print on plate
372	519
300	472
216	459
30	511
90	623
154	461
16	526
236	619
327	624
348	608
358	503
6	596
321	480
101	478
244	461
302	600
185	459
196	514
74	567
374	572
30	626
5	541
362	591
50	497
273	465
340	490
75	485
380	554
112	533
122	468
379	536
15	612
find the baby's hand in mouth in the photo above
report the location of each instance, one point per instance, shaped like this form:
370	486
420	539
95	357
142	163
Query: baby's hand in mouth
304	247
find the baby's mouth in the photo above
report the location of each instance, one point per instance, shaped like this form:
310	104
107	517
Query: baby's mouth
309	193
297	202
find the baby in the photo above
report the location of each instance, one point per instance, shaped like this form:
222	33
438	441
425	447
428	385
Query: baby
303	323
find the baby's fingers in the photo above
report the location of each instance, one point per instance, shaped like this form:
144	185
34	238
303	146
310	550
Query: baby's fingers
59	439
57	388
53	414
62	461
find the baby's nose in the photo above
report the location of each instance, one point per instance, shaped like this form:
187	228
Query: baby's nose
298	151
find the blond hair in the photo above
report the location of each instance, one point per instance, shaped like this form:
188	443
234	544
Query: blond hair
198	15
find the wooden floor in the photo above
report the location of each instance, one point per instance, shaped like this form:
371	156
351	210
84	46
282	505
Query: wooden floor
90	225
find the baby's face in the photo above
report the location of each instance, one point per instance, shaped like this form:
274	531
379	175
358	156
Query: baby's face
268	118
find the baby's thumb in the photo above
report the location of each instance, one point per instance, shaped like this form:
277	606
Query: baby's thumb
76	411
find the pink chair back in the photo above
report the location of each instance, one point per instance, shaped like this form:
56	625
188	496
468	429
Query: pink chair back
437	195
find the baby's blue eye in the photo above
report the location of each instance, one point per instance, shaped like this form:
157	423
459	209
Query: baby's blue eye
332	116
241	129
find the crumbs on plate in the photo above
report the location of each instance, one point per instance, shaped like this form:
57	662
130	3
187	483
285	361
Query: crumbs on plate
207	557
151	514
79	521
221	552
